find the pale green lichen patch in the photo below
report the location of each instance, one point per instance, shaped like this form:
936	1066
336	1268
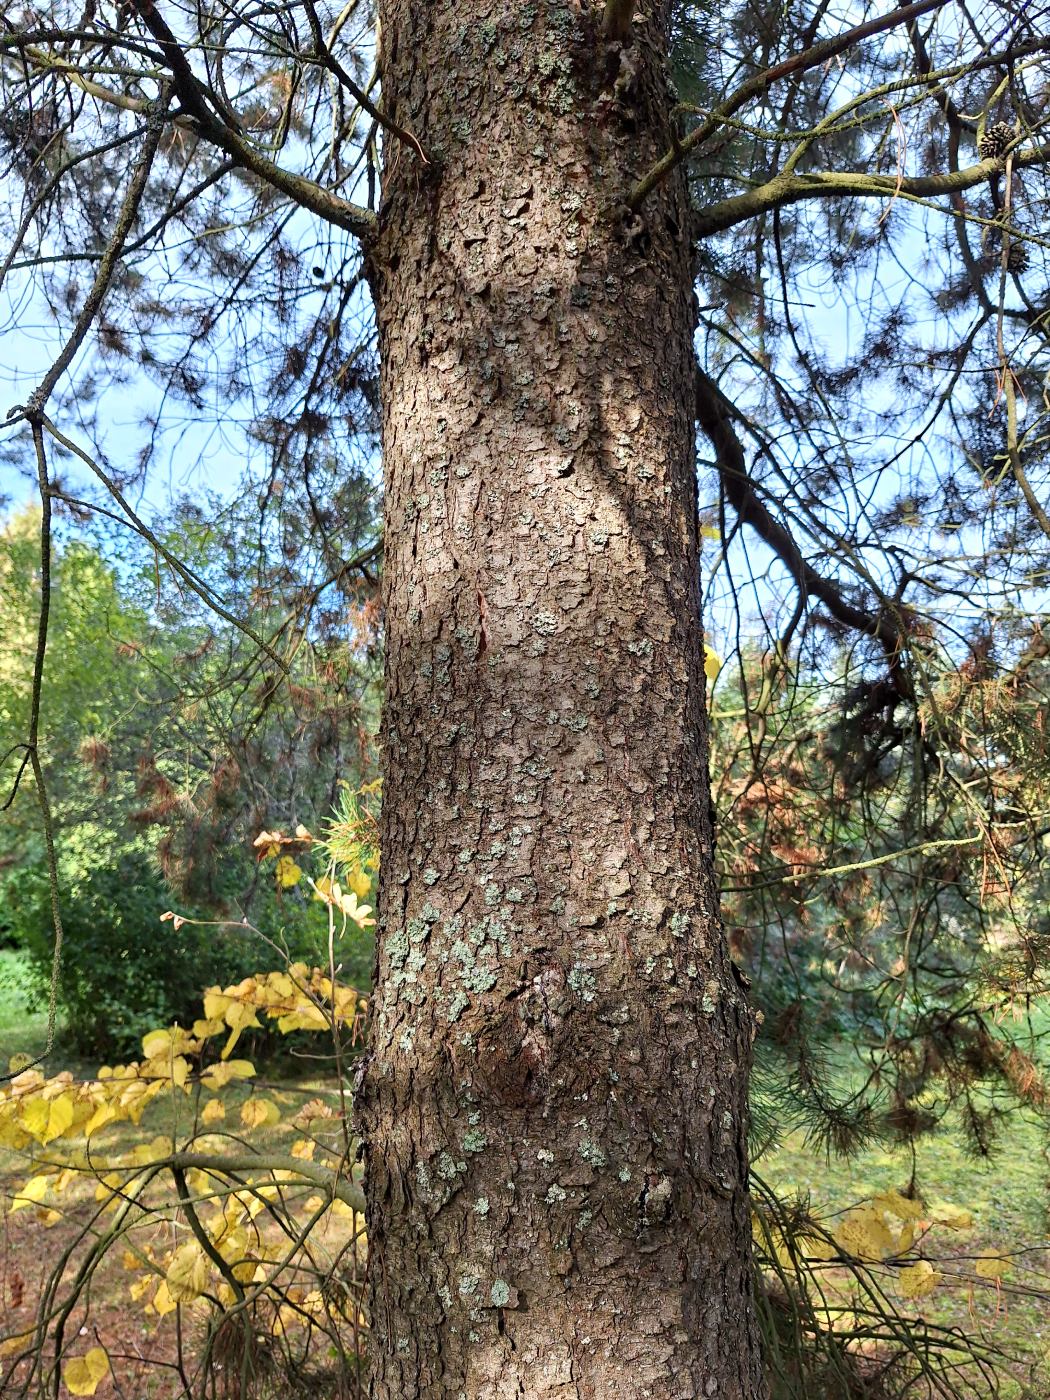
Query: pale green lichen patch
481	1205
468	1285
555	1194
475	1141
592	1154
448	1168
709	1000
499	1293
582	982
456	1007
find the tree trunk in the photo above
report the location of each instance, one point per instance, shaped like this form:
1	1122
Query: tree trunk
554	1100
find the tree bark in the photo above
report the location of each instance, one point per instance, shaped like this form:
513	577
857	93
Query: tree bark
554	1101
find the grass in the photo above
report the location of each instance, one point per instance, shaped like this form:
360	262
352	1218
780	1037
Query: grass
1007	1193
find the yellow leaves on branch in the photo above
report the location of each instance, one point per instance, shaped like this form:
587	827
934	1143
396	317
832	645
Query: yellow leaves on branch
270	844
918	1279
84	1374
188	1274
992	1266
46	1119
288	873
35	1111
330	892
874	1232
257	1113
865	1235
219	1075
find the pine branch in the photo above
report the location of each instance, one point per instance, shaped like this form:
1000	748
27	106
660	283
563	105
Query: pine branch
713	416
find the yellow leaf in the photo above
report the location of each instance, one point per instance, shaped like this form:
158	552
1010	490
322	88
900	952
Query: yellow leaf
257	1112
16	1342
917	1280
204	1029
156	1043
218	1076
268	844
305	1149
31	1194
239	1015
307	1018
162	1302
955	1217
17	1063
360	882
288	873
214	1111
816	1247
863	1234
105	1113
709	532
188	1274
903	1207
83	1374
130	1260
991	1265
907	1237
47	1119
712	663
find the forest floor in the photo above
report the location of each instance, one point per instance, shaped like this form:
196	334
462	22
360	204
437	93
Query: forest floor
1006	1192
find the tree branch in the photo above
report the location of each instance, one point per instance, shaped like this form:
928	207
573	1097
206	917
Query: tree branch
812	57
305	192
713	412
784	189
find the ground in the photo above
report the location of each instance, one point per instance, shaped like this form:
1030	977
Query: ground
1007	1194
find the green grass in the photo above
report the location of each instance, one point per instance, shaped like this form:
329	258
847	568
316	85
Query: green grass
1007	1193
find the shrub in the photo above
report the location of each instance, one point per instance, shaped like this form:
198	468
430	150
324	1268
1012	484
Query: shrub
123	971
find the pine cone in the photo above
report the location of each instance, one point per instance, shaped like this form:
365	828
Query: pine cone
995	140
1017	257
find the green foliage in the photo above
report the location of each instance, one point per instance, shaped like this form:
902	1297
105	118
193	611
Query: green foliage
123	972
